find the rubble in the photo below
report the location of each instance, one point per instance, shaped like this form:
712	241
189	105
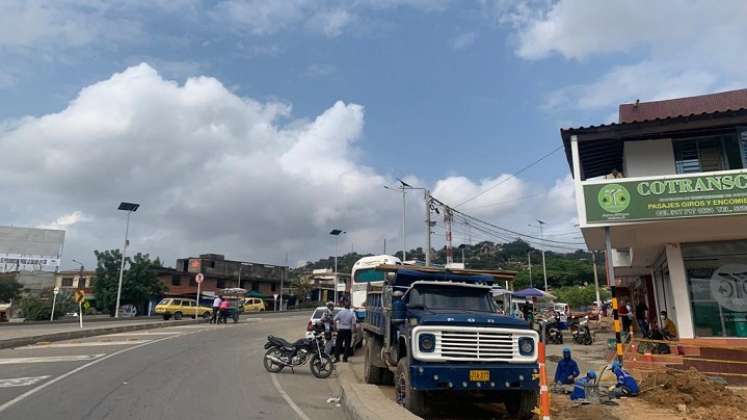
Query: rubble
693	393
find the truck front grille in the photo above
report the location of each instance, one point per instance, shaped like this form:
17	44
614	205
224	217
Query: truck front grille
475	345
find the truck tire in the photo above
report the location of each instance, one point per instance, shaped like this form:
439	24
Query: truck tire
371	374
520	406
406	396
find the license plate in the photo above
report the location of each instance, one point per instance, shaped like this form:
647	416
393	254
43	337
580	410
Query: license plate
479	375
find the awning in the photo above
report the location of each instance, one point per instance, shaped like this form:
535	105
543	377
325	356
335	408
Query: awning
254	293
531	292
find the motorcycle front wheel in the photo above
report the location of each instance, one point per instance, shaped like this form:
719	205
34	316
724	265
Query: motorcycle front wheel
321	367
270	365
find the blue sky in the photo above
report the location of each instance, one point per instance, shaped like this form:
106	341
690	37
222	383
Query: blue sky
342	97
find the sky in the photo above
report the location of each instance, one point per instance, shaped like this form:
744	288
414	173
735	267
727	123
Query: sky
251	128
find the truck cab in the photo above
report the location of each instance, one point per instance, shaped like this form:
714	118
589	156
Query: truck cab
436	331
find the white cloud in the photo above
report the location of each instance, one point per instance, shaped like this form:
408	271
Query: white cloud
213	172
318	70
662	49
464	40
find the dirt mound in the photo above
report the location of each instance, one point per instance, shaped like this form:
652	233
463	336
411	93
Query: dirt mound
553	358
691	388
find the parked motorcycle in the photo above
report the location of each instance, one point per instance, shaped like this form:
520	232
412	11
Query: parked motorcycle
580	331
281	354
553	334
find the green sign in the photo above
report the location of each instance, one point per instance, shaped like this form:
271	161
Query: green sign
696	196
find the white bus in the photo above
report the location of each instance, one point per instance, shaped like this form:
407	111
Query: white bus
364	273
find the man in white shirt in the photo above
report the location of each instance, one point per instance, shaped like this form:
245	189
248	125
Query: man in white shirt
345	320
216	309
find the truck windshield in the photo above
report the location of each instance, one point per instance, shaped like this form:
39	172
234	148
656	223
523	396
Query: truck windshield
459	298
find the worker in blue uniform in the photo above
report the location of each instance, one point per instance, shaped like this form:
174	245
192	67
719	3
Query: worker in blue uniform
579	389
626	384
567	370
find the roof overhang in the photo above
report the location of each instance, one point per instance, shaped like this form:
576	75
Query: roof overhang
601	146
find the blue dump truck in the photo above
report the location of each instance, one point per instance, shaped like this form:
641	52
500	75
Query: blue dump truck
435	334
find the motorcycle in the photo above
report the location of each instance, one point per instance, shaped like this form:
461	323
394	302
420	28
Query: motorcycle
580	332
281	354
553	334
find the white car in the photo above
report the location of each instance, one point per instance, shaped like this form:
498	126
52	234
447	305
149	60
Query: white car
316	317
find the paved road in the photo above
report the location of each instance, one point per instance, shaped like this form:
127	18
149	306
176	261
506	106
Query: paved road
182	372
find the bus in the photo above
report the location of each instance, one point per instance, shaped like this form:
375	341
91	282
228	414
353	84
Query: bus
364	273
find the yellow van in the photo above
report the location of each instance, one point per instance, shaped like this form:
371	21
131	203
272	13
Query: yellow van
254	305
179	307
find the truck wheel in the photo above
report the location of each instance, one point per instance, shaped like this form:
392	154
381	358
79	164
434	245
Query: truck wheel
406	396
371	374
521	406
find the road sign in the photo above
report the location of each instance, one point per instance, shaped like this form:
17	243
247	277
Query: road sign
56	290
80	296
199	278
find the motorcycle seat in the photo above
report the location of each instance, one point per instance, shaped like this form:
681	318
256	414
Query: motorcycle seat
279	341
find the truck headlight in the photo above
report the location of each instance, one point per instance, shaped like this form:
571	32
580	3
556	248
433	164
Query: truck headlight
526	346
427	342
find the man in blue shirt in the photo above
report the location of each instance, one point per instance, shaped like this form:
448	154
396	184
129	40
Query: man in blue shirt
567	369
626	383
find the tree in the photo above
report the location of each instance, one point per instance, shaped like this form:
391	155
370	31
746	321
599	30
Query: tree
139	282
9	289
39	308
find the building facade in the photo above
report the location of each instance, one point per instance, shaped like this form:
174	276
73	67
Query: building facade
68	280
263	280
667	187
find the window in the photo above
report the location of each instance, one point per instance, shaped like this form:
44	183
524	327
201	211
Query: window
67	282
273	287
717	281
743	146
255	286
221	284
706	154
176	279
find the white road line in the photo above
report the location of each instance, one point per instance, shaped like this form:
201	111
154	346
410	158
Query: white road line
283	394
127	334
33	391
86	344
26	381
50	359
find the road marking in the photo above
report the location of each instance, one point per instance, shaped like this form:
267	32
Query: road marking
33	391
283	394
50	359
125	334
26	381
86	344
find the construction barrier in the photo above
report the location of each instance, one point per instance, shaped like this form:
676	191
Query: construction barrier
544	391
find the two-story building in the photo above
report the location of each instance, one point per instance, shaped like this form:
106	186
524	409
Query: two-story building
667	187
261	280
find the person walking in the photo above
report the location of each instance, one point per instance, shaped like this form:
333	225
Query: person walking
216	309
225	305
345	320
641	316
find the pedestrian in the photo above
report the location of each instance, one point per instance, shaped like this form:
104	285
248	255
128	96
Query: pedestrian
216	310
225	305
567	370
624	314
345	320
641	316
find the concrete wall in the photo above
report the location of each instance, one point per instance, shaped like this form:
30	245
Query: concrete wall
648	158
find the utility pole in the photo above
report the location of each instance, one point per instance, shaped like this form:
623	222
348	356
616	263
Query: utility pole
449	250
529	258
282	278
404	212
384	246
544	266
427	197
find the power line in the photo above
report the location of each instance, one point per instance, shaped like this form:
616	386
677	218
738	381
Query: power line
506	179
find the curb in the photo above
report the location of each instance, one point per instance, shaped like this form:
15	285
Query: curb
69	335
366	402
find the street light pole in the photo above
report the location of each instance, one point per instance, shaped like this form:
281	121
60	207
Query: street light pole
129	208
336	233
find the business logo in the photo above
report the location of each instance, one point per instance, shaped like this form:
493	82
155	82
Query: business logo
729	287
614	198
